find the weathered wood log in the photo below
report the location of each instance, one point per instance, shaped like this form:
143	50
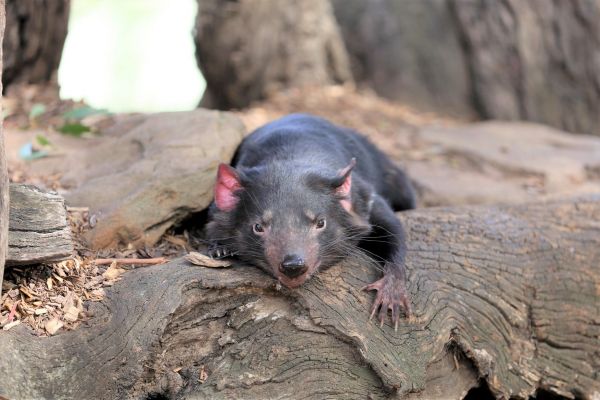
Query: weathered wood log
38	229
506	295
3	169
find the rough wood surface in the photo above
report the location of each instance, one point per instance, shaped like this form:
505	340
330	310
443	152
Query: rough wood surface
534	60
507	295
34	39
247	49
38	227
500	59
3	169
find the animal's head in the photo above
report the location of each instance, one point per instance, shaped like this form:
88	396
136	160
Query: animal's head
285	219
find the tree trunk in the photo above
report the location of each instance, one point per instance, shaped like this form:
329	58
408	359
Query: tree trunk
3	170
249	48
535	60
34	39
505	295
407	51
504	59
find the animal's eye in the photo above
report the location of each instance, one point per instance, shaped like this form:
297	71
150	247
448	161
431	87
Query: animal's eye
320	224
258	229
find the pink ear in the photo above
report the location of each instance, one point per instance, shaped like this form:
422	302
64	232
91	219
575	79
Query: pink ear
228	182
345	189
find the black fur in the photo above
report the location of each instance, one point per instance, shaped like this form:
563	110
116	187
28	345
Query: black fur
292	165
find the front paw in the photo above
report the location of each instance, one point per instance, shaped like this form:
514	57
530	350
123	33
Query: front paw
391	295
218	251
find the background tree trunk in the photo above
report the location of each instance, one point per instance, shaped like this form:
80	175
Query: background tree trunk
504	295
407	51
34	39
249	48
505	59
3	170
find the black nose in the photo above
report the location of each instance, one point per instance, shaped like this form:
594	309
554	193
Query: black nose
292	266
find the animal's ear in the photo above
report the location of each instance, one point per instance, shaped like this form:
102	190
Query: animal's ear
228	182
343	187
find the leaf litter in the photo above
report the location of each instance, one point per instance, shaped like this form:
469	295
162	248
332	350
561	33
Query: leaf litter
57	297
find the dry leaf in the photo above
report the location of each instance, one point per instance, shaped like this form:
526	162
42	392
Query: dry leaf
53	326
203	376
11	325
205	261
113	272
40	311
71	314
177	241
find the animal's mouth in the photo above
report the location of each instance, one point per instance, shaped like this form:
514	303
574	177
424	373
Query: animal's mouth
293	283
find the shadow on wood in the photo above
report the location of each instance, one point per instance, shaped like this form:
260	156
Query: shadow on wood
505	296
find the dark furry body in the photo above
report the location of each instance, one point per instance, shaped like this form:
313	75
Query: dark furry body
308	142
291	166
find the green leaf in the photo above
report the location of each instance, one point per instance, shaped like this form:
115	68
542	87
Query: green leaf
80	113
74	129
42	140
36	110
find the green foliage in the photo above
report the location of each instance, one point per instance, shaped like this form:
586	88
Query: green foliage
74	129
42	140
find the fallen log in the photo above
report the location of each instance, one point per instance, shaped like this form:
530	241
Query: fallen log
38	231
506	296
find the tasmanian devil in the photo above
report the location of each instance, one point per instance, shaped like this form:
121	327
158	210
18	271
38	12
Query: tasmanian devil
302	194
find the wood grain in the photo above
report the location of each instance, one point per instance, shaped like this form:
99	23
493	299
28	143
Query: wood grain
38	227
508	295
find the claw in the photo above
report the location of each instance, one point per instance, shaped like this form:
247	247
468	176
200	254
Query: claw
218	251
372	312
391	296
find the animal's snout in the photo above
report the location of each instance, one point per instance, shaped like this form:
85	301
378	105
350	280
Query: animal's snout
293	266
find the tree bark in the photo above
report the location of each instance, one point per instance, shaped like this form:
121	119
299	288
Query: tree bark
534	60
34	39
3	169
38	227
249	48
506	295
503	59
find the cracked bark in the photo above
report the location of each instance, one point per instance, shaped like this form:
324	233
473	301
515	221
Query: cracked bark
38	227
504	294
